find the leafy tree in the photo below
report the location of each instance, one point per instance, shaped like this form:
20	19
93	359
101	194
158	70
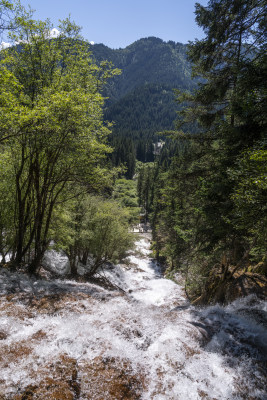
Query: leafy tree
94	229
235	41
8	12
58	138
7	190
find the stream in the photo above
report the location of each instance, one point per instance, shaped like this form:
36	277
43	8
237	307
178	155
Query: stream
145	342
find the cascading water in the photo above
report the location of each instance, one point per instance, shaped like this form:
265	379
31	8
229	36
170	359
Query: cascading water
150	331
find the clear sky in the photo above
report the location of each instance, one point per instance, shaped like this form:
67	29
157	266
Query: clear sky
118	23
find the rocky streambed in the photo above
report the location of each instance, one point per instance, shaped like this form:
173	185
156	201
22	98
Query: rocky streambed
63	339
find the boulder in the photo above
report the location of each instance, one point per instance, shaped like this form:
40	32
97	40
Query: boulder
56	262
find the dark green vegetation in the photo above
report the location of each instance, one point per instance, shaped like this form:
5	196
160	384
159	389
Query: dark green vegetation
209	210
141	99
146	61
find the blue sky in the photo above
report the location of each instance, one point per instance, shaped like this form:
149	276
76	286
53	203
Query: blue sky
118	23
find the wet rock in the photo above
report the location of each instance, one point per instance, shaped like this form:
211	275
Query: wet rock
12	308
56	303
190	351
13	353
59	382
203	395
3	335
243	387
56	262
66	367
39	335
206	330
111	379
48	389
260	316
27	393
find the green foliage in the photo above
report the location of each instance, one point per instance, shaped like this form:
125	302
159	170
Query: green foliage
124	154
210	205
6	15
251	180
145	186
51	124
7	190
249	197
93	228
125	193
147	109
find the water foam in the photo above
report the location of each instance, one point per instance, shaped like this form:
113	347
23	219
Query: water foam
184	352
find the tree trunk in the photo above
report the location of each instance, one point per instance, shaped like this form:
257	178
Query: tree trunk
36	263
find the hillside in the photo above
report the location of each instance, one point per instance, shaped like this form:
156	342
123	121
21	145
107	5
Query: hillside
141	100
146	61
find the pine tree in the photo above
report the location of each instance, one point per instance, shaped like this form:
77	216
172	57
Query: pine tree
226	147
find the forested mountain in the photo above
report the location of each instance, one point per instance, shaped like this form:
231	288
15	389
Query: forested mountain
141	99
146	61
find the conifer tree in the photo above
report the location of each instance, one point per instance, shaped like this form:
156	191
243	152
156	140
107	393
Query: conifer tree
206	187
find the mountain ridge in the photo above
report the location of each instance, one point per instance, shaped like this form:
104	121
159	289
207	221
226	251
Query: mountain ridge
147	60
141	101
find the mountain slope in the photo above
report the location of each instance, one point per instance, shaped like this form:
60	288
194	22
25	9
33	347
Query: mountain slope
146	61
141	100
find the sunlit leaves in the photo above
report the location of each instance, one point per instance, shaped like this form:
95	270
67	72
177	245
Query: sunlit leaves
51	122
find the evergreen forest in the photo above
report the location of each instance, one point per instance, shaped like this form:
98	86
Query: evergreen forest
140	101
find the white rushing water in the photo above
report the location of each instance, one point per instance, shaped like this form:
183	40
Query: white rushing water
184	352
